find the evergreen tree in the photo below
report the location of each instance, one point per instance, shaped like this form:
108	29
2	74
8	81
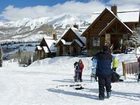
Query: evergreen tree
19	56
135	38
29	60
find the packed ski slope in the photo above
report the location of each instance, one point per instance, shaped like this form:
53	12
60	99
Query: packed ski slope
40	84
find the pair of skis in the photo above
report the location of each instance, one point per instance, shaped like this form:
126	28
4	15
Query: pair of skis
76	86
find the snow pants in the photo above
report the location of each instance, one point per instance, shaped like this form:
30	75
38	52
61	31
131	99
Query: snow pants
104	83
77	76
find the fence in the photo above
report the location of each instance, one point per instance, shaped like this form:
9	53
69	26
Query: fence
130	68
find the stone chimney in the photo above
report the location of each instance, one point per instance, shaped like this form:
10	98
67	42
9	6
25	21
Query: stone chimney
54	36
114	9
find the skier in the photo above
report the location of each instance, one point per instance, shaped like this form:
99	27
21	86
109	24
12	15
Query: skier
115	75
115	63
76	72
104	72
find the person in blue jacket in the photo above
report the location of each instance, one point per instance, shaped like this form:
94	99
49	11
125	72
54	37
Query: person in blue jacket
104	72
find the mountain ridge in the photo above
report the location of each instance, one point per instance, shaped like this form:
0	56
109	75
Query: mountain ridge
37	28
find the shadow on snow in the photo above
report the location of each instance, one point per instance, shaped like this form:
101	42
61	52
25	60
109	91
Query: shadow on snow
73	93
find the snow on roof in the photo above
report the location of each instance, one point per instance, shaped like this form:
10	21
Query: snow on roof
83	39
126	16
65	43
78	42
73	29
45	49
121	22
76	31
48	38
39	48
51	44
62	36
129	16
68	43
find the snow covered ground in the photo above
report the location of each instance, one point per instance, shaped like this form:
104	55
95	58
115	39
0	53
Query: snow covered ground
39	84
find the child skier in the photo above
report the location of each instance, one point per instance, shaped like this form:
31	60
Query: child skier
76	72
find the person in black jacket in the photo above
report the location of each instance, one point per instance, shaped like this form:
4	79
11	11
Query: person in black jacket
104	72
77	72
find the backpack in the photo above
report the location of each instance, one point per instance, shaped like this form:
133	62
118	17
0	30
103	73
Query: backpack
76	66
115	77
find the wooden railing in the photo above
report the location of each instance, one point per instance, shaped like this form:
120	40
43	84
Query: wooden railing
130	68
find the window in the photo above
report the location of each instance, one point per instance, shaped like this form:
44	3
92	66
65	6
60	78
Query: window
96	41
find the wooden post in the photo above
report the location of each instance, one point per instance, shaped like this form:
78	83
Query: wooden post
124	69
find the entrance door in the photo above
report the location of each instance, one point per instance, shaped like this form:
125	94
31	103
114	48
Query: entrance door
115	41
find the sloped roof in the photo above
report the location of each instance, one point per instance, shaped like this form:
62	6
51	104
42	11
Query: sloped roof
65	43
45	49
50	45
78	42
70	43
62	36
77	33
113	21
94	22
130	16
124	16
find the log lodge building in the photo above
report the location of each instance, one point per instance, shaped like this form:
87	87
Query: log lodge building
112	28
109	28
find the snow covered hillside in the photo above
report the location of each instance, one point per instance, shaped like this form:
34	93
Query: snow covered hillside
34	29
42	84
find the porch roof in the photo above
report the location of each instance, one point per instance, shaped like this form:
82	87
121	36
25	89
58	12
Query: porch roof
65	43
78	42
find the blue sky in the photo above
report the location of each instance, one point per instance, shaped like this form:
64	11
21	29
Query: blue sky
19	9
27	3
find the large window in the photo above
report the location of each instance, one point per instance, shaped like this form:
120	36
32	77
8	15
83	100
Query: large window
96	41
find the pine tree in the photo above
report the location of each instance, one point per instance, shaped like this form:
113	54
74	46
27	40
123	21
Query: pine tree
19	56
29	60
135	38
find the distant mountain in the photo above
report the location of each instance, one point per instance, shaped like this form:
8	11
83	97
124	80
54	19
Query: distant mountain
34	29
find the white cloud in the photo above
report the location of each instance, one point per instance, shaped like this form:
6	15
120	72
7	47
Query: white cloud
69	7
13	13
122	2
125	5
